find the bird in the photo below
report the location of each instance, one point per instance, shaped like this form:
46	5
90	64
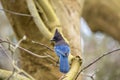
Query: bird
62	49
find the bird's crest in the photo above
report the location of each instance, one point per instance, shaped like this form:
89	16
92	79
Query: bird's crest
57	36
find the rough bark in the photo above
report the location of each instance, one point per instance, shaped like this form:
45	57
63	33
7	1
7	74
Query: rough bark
104	16
68	14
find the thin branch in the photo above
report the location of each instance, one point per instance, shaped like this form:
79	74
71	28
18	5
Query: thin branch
43	45
50	57
16	13
90	76
12	59
96	60
39	56
4	51
18	43
13	72
15	46
16	68
15	76
21	71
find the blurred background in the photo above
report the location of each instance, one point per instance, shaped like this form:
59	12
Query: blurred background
94	45
100	32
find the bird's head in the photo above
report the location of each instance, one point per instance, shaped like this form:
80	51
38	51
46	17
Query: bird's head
57	36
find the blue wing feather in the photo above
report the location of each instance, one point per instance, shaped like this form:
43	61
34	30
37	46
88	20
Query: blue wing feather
62	50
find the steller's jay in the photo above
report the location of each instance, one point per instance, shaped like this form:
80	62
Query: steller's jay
62	50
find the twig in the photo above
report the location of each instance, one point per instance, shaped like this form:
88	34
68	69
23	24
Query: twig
43	45
51	57
22	71
25	49
15	46
13	71
18	43
16	68
16	13
36	55
90	76
12	53
97	59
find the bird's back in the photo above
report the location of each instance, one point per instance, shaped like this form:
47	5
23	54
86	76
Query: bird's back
62	49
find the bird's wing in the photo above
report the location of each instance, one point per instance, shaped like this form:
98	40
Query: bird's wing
62	49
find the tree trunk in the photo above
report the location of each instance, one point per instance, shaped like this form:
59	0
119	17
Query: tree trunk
103	15
68	13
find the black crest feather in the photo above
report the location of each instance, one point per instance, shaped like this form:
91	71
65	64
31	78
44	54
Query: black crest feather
57	36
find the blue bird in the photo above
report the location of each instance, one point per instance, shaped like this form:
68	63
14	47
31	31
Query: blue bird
62	50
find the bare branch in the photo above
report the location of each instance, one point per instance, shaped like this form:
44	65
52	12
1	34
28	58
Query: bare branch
24	38
14	63
13	71
90	76
12	44
15	46
43	45
21	71
96	60
16	13
50	57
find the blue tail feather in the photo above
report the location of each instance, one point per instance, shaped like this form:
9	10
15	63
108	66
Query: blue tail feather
64	64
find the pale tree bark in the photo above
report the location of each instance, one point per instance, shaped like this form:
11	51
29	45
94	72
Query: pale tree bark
46	16
103	15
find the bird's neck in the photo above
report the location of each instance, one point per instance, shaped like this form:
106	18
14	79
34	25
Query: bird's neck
61	42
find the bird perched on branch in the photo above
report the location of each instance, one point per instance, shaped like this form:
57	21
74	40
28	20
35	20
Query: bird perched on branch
62	50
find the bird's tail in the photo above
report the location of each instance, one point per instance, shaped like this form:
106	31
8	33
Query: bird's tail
64	64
